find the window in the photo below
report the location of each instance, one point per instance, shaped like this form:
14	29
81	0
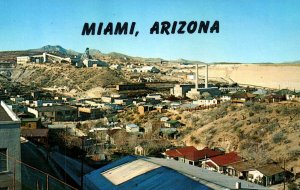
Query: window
3	159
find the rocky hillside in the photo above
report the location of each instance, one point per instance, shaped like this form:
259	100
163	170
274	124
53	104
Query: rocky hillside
66	78
258	131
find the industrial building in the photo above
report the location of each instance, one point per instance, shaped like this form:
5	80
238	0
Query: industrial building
43	58
94	63
10	150
180	90
196	92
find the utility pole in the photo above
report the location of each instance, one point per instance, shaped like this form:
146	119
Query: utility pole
82	156
284	177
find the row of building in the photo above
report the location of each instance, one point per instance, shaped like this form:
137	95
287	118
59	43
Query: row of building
230	164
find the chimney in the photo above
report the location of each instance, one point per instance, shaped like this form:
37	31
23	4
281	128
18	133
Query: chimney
238	185
206	76
196	79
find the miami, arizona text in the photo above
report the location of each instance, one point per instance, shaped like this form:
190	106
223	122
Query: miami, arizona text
165	28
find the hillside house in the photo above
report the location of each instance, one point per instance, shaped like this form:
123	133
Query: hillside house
220	163
31	123
191	155
36	135
147	69
164	119
154	96
115	67
274	98
293	97
267	175
172	124
225	98
168	133
242	97
145	108
206	101
55	113
240	169
107	99
132	128
90	113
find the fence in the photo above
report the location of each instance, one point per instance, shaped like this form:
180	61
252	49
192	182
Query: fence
17	175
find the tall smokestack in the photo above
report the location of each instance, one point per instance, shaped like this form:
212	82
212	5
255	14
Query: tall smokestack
196	79
206	76
44	57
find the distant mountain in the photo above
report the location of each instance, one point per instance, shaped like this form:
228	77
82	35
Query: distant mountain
118	55
56	48
95	52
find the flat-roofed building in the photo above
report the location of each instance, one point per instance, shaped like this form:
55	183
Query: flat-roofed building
23	59
90	113
96	62
10	150
180	90
56	113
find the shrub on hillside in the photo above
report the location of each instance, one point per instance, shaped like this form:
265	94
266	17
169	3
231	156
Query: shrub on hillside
238	125
271	126
257	107
219	112
251	114
248	104
278	137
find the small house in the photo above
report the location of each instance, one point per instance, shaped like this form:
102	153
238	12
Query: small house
132	128
206	101
172	124
191	155
220	163
266	175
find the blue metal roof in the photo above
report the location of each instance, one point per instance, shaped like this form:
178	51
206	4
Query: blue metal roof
160	178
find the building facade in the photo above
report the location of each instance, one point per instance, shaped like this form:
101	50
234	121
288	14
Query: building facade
10	150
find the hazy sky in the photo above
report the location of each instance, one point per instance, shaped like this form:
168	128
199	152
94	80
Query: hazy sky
250	30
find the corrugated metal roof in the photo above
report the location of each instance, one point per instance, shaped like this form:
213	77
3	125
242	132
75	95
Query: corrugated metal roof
171	175
159	178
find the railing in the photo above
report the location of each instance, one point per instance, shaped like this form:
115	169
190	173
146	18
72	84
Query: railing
19	175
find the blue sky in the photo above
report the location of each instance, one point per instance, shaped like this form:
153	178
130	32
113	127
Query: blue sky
250	30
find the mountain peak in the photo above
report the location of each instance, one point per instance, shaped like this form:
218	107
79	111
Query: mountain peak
56	48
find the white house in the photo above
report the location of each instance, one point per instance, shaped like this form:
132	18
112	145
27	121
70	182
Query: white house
146	69
150	69
94	62
115	67
132	128
293	97
206	102
154	96
225	98
269	174
164	119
